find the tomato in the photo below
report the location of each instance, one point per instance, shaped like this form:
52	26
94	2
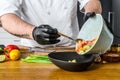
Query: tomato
2	58
9	48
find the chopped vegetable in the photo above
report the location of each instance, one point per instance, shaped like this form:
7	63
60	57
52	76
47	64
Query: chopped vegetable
74	61
82	46
37	59
2	58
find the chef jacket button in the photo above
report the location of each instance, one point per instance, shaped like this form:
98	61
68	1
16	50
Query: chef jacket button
48	13
65	7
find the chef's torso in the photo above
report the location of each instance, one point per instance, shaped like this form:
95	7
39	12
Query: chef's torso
60	14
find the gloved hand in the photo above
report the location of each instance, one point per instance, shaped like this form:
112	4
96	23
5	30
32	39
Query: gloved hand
88	15
45	34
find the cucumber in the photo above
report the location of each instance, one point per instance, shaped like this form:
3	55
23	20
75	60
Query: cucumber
2	58
2	46
2	49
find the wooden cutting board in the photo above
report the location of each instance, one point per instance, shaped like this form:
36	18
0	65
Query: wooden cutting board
26	51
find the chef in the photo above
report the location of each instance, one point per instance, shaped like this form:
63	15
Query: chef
37	22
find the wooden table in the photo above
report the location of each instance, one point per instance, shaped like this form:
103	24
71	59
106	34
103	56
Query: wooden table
17	70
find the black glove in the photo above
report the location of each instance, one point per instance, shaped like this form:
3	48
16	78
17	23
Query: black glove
88	15
45	34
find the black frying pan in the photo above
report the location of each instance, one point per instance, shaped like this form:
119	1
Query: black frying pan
61	59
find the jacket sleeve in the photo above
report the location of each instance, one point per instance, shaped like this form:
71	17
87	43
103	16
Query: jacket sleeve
82	3
10	6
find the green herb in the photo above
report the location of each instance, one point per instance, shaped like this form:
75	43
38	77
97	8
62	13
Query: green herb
36	59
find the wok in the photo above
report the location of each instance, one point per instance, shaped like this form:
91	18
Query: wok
61	60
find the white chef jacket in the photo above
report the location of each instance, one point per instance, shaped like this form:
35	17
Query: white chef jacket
60	14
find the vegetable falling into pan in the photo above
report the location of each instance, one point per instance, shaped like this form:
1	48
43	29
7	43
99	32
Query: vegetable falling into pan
84	45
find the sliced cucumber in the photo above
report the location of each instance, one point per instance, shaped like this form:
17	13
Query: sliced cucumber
2	58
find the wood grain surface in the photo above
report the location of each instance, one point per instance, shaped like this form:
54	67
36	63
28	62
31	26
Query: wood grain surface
18	70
